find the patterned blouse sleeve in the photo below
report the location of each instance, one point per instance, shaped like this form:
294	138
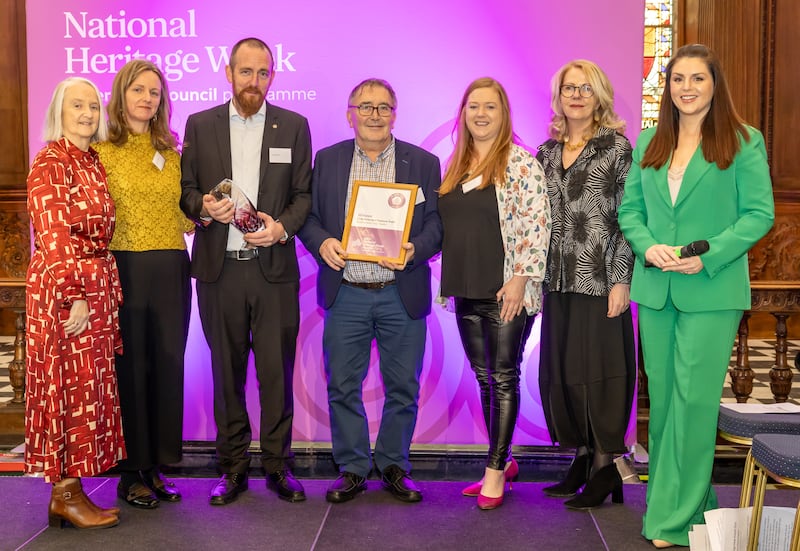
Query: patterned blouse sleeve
532	233
622	263
48	203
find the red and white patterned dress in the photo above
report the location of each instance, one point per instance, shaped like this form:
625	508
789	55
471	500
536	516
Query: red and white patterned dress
72	422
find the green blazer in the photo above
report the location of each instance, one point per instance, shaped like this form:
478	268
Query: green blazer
731	209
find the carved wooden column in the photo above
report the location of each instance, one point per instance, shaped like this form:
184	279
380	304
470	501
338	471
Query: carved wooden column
16	367
780	374
741	374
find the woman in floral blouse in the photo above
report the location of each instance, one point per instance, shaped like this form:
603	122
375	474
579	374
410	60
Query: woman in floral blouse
144	177
496	219
72	416
587	368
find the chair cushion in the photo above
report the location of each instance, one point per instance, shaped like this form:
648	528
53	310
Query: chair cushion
747	425
778	453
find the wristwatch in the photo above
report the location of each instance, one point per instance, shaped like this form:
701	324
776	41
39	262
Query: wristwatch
285	237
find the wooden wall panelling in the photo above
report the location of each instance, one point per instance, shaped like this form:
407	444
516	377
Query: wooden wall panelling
14	232
783	109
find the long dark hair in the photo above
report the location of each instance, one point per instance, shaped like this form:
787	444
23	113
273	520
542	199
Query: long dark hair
721	126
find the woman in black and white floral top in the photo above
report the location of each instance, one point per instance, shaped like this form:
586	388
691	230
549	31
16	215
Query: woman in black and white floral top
587	369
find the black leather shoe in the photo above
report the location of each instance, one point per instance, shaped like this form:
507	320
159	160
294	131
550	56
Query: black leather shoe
346	487
286	486
162	488
228	488
397	481
137	495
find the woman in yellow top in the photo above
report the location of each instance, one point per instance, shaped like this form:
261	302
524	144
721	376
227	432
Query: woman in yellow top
144	177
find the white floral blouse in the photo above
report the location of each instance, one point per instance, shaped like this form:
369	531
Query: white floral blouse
524	210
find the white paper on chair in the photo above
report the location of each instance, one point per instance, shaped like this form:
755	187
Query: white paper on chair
763	408
727	530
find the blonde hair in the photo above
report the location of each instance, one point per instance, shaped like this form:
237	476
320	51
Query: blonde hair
53	127
605	116
493	167
161	135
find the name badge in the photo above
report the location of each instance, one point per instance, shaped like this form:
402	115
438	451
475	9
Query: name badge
281	155
469	185
159	160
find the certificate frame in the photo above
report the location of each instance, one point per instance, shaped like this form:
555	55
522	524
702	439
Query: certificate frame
378	221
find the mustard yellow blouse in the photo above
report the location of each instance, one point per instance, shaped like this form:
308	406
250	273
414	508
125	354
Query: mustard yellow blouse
148	215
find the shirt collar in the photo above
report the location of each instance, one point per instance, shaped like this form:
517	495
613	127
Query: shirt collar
385	153
234	115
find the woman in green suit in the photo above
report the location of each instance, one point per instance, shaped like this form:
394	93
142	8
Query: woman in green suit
701	174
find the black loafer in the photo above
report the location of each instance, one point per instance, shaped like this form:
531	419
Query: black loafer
346	487
286	486
137	495
397	481
228	488
162	488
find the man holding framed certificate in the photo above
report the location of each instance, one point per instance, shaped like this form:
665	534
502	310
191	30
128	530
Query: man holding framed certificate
373	227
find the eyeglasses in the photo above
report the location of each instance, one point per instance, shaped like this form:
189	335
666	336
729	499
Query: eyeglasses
585	90
367	109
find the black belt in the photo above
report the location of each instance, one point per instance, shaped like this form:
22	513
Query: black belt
242	254
374	285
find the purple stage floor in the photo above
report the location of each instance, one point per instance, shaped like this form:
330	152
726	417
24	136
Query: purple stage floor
444	520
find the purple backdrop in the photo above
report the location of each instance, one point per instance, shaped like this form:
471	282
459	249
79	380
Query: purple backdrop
429	51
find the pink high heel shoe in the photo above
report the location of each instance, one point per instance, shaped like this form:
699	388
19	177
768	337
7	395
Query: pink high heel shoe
511	474
488	503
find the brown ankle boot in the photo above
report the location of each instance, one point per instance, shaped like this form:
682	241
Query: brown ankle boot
68	503
108	511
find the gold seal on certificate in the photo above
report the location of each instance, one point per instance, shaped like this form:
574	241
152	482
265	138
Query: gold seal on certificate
379	221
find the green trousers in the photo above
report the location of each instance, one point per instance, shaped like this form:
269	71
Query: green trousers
686	356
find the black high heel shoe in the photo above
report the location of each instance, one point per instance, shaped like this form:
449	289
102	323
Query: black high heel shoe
605	481
576	477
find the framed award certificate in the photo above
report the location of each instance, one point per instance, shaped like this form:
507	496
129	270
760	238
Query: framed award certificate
378	221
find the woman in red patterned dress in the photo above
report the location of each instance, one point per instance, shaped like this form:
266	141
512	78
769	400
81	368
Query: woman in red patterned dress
72	422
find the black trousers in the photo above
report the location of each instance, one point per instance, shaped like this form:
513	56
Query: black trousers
494	350
240	312
154	321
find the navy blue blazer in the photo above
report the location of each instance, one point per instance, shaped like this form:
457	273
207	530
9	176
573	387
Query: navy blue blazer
413	165
283	190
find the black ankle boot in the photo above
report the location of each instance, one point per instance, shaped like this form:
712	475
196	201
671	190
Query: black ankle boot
605	481
576	477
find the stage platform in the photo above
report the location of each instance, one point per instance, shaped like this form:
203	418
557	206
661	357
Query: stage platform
444	520
258	520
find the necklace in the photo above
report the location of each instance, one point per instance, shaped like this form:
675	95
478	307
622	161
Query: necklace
573	147
587	135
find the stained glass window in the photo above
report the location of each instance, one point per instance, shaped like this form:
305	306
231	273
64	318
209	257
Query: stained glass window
657	51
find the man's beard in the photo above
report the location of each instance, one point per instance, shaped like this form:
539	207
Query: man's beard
247	103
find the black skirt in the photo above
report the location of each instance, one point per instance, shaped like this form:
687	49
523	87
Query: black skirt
587	372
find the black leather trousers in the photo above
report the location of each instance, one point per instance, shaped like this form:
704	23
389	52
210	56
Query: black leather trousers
494	350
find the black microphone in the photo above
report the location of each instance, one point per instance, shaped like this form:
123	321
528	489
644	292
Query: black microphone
695	248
